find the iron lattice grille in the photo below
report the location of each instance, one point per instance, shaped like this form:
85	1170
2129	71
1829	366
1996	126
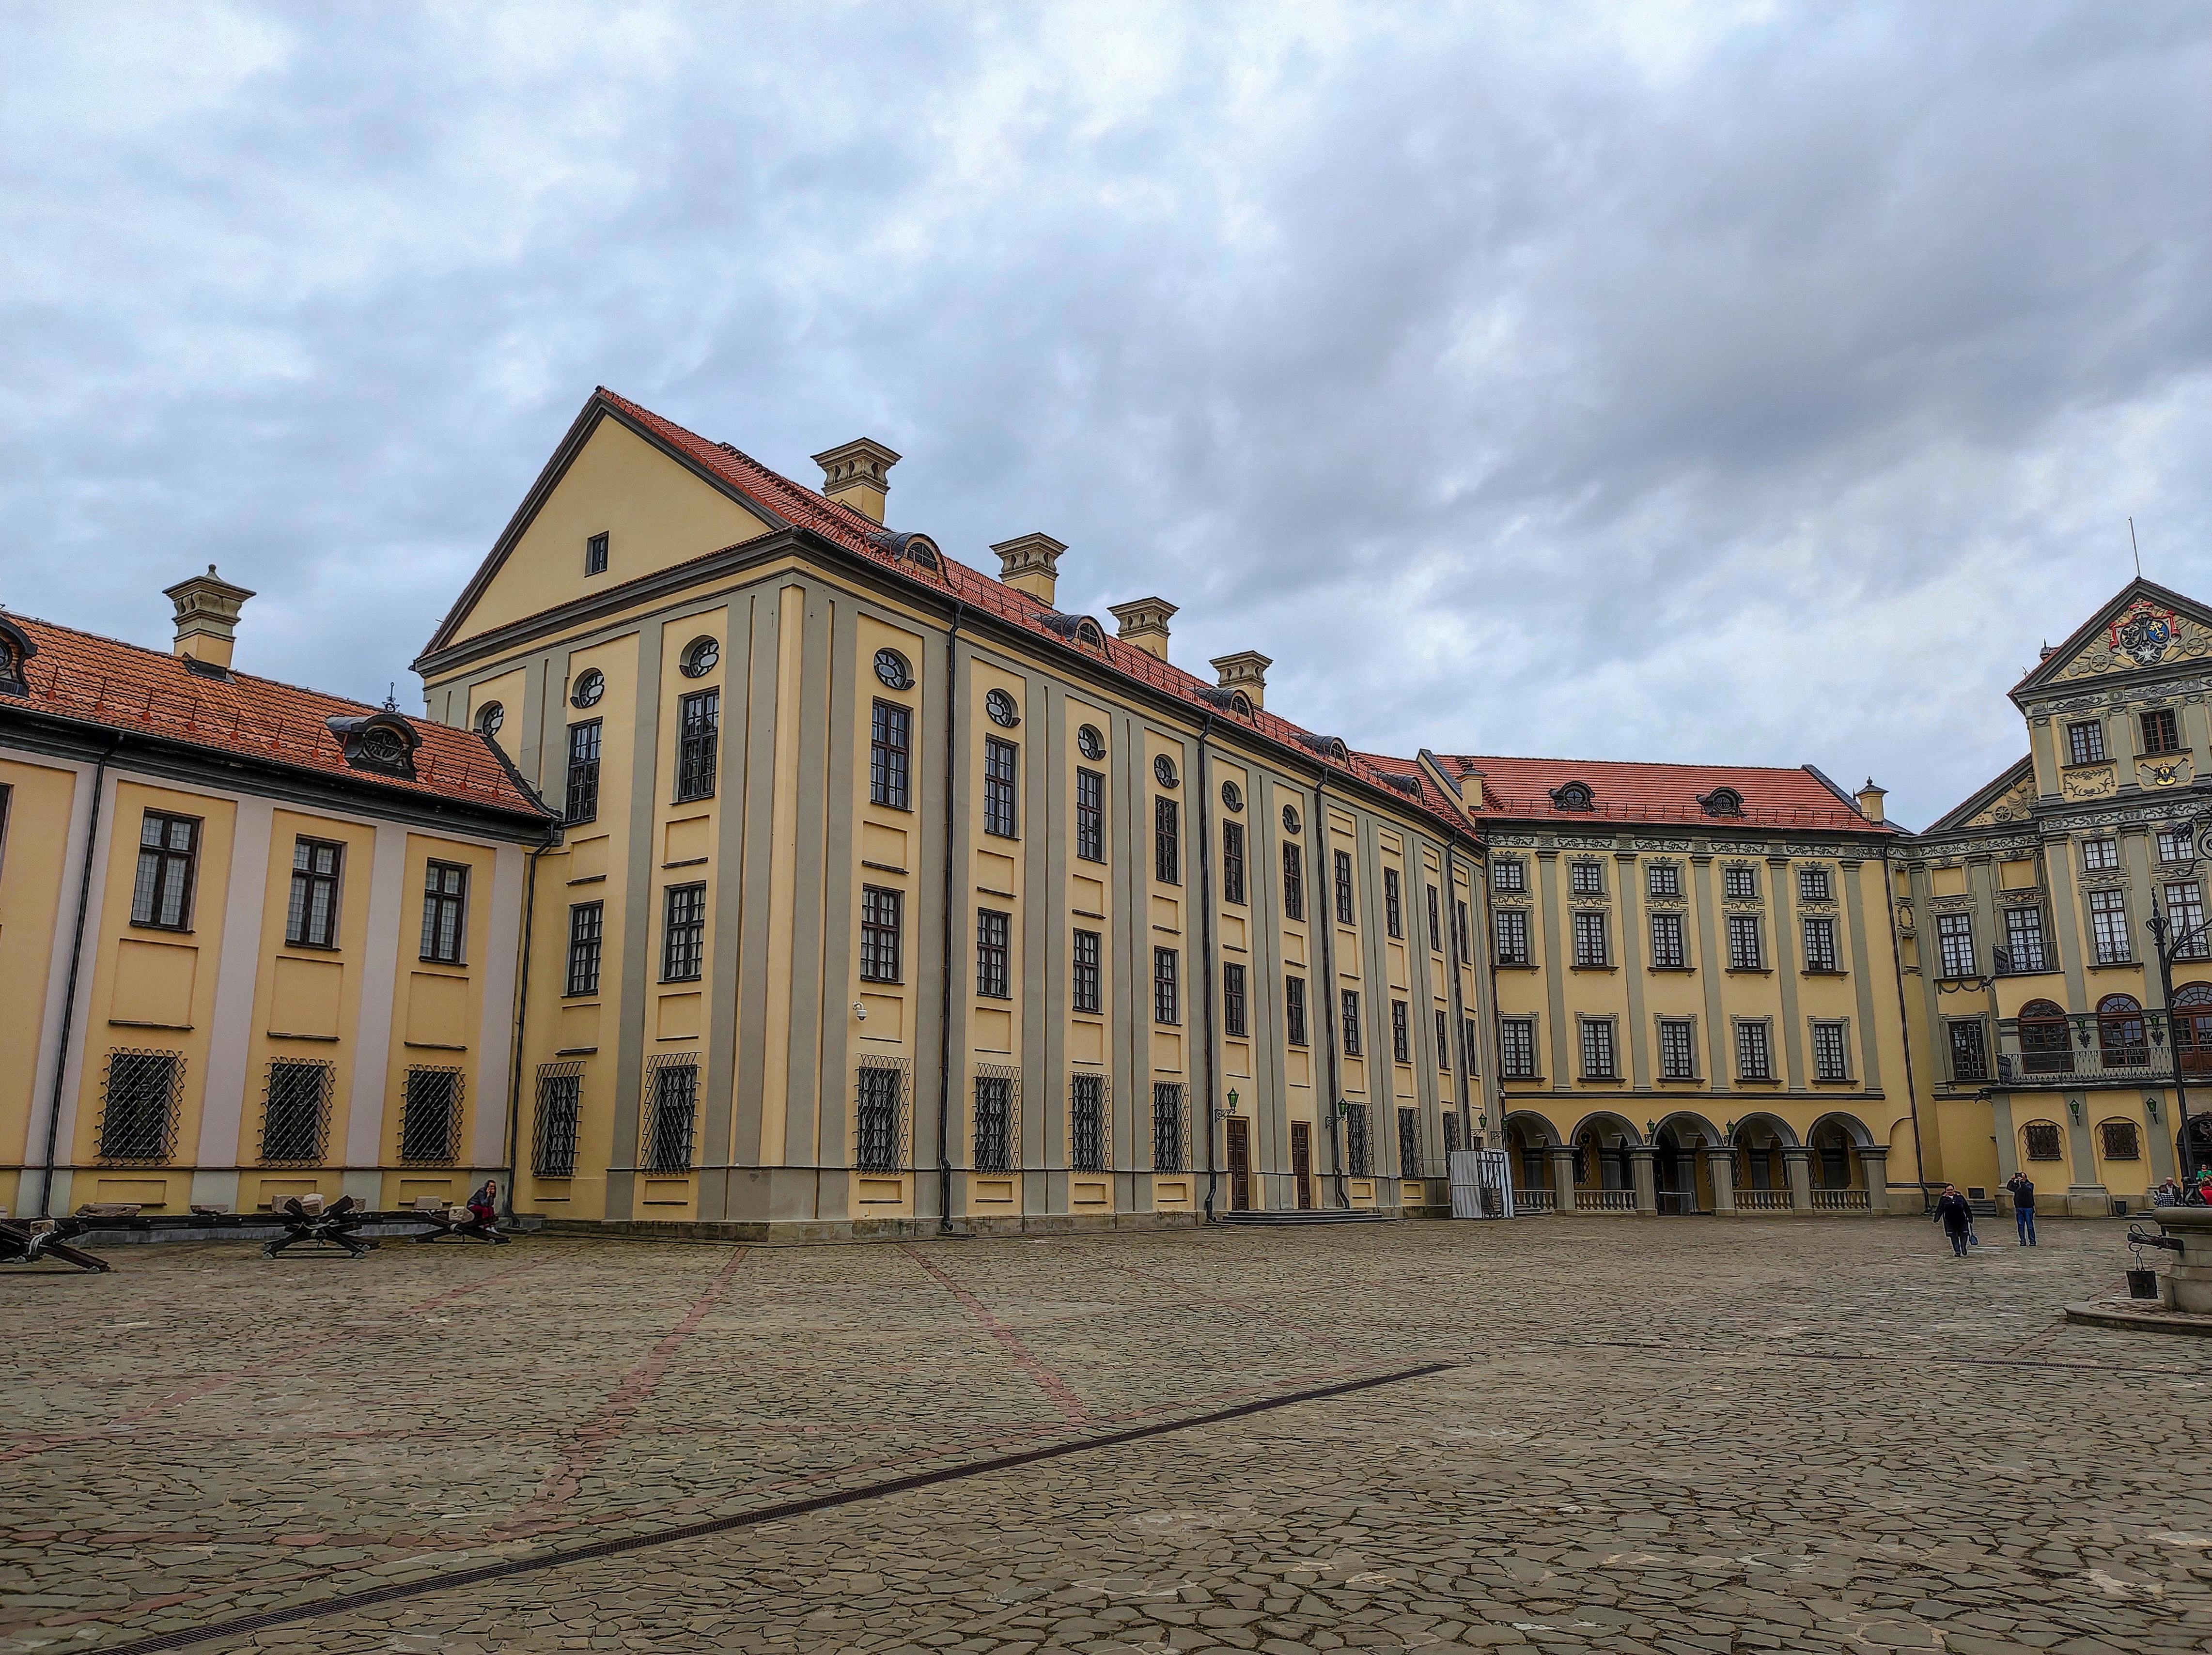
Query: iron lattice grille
296	1113
560	1099
430	1117
879	1116
1409	1144
1089	1121
671	1113
1170	1128
997	1118
139	1095
1355	1140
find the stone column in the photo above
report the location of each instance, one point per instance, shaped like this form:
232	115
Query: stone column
1639	1175
1562	1176
1720	1165
1797	1162
1873	1162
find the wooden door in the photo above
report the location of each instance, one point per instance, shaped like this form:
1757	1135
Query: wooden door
1302	1163
1240	1164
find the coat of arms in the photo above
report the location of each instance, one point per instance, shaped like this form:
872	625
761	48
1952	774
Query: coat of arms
2143	632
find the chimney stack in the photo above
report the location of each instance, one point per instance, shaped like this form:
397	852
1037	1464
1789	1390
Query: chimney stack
1470	786
1247	670
1144	623
1030	564
858	473
1869	800
207	617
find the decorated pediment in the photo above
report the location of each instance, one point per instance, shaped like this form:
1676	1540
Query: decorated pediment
2144	628
2012	804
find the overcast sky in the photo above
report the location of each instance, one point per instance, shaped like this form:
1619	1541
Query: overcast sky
1757	383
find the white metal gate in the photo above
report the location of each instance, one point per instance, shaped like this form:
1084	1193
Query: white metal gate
1481	1184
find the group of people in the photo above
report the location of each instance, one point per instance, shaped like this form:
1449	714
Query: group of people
1956	1215
2196	1192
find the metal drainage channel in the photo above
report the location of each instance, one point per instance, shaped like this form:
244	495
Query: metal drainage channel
185	1637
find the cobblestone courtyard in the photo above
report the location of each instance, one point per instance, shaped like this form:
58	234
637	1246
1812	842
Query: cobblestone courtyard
1655	1435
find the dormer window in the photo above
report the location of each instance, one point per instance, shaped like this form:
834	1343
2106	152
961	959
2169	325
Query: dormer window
1722	802
382	741
16	649
1240	703
1575	796
1087	632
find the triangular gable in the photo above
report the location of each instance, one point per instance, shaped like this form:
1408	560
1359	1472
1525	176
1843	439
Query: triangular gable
2145	628
1997	803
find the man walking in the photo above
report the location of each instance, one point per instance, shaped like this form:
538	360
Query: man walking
1956	1217
2023	1207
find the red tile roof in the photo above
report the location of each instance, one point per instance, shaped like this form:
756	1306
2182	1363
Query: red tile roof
1622	791
90	680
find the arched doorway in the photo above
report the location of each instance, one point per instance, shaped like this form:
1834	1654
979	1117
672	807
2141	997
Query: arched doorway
1605	1176
1762	1174
1668	1164
1528	1140
2046	1046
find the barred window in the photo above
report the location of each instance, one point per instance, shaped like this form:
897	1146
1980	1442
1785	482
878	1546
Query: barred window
1509	875
994	1123
1970	1055
672	1103
1294	882
1516	1048
2084	742
684	938
1232	999
890	755
445	912
2024	937
1663	879
1401	1034
1356	1157
1167	841
587	928
295	1113
1746	951
584	772
879	1098
168	852
2100	855
1350	1022
1436	922
311	920
430	1117
1090	815
1831	1053
1232	862
698	744
1586	878
1166	997
1167	1127
1294	1010
1599	1062
1086	1123
1409	1144
2185	911
138	1105
1511	926
1954	934
1754	1052
1001	765
1394	918
2119	1140
993	929
1344	908
1444	1040
881	911
1666	949
1819	943
2043	1141
1084	960
1812	885
1590	947
1740	882
1678	1049
2108	923
560	1102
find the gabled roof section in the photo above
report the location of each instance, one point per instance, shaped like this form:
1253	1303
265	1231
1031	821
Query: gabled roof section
2142	628
101	682
1525	790
2009	797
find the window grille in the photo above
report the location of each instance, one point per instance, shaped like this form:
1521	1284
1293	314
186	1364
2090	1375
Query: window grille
587	930
139	1097
1509	875
1590	947
1087	1123
2159	732
1831	1053
1451	1136
1667	948
1168	1127
879	1115
2108	924
881	914
1394	916
683	937
1409	1144
584	772
1294	1010
1356	1161
2100	855
2024	936
1086	994
1678	1049
1232	998
992	931
1001	765
2043	1141
1819	944
1516	1048
2085	744
1294	882
430	1117
1586	878
2119	1140
296	1113
1663	879
1754	1052
1344	908
311	920
445	912
1444	1040
1232	862
891	751
1745	951
1167	841
1512	925
1090	815
997	1118
1739	882
671	1108
168	849
1350	1022
1969	1052
560	1101
1166	990
698	744
1599	1062
1812	885
1436	922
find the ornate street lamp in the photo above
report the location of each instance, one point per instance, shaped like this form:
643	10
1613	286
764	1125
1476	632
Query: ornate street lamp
2172	944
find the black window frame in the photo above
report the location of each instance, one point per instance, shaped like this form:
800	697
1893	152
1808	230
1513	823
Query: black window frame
1233	863
1739	882
1294	882
1002	770
1402	1032
1747	942
1831	1049
2026	940
306	925
1966	1043
597	548
1357	1151
1348	1005
1670	944
1167	987
1956	949
174	872
1678	1048
1346	908
698	744
585	741
1817	933
994	930
444	913
1509	876
1394	906
1086	972
1233	1000
1090	815
683	932
1662	879
883	923
587	945
1435	921
1593	939
1168	1127
2161	730
1409	1144
1508	937
1087	1121
1516	1048
2085	742
1444	1041
1167	841
890	754
295	1112
1294	1010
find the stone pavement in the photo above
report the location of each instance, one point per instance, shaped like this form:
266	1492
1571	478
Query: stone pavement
1658	1434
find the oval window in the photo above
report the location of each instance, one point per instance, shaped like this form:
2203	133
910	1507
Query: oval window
1232	795
590	686
1163	771
1290	818
891	670
488	719
701	656
382	745
1090	742
1001	709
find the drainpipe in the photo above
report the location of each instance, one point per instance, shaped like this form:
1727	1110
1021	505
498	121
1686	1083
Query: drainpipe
1449	919
945	1019
69	1000
1206	947
522	1014
1324	882
1903	1028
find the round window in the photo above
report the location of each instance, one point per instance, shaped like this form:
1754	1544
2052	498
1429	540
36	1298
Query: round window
701	656
382	745
891	670
1290	818
1001	709
1232	795
590	686
1163	771
488	719
1090	742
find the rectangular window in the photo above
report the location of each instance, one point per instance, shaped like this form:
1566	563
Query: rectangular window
1232	999
2024	937
1516	1048
1754	1052
1812	885
1356	1155
1831	1054
445	912
1343	909
1819	943
698	744
2108	924
1667	950
993	930
1458	911
1663	879
890	756
430	1117
595	554
169	850
2159	732
1167	1127
1598	1061
1746	951
1085	987
295	1113
138	1105
1167	999
1590	940
1086	1123
1436	922
2176	844
877	1101
553	1143
1469	1045
310	921
672	1107
2184	913
994	1114
1586	878
1000	763
2100	855
1444	1040
1167	841
1294	1010
1969	1055
1294	883
1090	815
1954	934
1739	882
683	937
1394	916
2085	744
587	930
1678	1049
1509	875
1232	862
1402	1033
1350	1022
1409	1144
583	804
881	914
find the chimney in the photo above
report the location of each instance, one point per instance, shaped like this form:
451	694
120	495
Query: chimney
1247	670
1470	786
858	473
1030	564
207	617
1144	623
1869	800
